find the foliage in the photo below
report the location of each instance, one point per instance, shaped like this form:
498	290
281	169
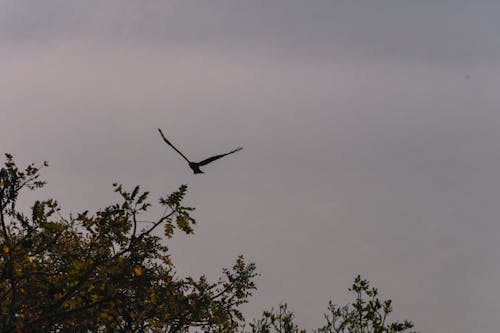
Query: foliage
279	321
102	272
367	314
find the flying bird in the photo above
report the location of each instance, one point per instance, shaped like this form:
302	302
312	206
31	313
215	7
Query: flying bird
195	166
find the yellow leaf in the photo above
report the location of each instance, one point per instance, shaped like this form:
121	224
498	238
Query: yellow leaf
1	184
5	249
138	271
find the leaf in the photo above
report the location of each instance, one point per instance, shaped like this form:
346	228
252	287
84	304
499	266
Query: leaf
142	197
183	222
138	271
135	191
169	229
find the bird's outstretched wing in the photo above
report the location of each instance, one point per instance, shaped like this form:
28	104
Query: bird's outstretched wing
216	157
171	145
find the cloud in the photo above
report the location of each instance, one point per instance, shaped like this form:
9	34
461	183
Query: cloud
440	32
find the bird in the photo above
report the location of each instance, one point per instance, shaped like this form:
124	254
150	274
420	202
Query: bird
195	166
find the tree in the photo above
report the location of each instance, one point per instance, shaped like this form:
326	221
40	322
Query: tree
103	272
366	314
279	320
109	272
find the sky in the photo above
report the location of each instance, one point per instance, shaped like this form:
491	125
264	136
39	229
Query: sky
370	135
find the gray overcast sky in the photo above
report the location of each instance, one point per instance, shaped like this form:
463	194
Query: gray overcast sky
370	131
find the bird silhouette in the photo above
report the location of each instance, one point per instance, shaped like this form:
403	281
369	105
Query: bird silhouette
195	166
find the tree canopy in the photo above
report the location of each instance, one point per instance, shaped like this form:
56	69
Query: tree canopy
109	271
366	314
104	271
